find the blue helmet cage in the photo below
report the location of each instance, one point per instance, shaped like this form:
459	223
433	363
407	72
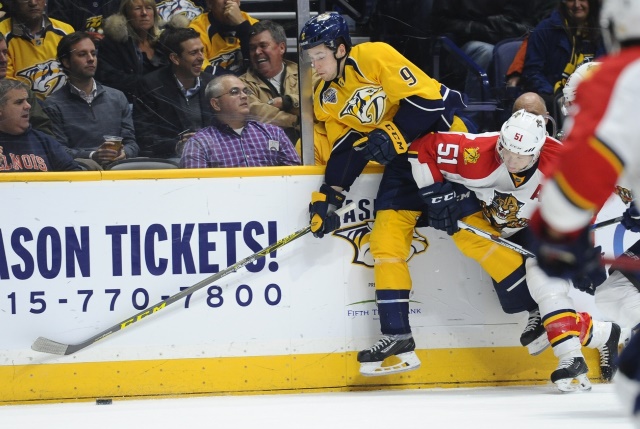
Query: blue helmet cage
328	28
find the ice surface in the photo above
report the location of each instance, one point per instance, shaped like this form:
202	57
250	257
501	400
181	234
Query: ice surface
528	407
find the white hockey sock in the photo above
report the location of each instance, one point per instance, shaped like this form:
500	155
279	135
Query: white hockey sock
600	334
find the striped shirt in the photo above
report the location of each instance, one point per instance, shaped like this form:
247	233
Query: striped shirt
257	145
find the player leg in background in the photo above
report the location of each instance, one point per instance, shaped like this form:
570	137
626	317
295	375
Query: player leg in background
506	269
390	244
628	379
619	296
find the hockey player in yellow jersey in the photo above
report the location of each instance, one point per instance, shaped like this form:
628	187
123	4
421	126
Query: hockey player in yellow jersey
373	103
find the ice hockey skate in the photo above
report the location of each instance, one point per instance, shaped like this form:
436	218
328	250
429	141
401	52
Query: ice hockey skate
534	337
390	355
571	375
609	354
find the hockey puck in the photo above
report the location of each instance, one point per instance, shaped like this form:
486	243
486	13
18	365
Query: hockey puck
103	401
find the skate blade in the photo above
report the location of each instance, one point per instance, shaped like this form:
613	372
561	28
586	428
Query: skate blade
580	383
402	362
538	345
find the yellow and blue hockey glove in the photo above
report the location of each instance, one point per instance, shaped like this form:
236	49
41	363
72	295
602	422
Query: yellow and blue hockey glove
323	204
382	144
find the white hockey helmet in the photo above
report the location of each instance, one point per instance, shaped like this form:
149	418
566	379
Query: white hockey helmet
620	22
570	88
524	134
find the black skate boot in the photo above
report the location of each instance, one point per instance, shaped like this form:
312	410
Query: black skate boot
400	350
609	354
534	336
568	370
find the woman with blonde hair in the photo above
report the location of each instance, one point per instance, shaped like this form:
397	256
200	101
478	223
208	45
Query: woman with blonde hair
129	49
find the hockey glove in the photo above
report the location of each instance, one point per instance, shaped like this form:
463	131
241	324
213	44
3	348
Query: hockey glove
567	257
382	144
323	204
631	219
443	210
589	281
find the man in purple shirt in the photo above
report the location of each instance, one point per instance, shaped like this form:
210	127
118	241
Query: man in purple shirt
235	140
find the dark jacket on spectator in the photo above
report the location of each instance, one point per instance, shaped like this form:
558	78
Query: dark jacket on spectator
488	21
34	151
120	64
81	127
549	50
159	115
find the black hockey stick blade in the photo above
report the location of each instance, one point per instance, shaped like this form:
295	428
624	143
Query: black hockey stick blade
46	345
606	223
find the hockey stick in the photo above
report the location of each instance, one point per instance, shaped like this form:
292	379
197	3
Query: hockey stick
46	345
621	262
496	239
606	223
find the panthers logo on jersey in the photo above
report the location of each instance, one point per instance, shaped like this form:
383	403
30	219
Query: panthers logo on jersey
503	211
359	235
168	8
471	155
366	104
44	78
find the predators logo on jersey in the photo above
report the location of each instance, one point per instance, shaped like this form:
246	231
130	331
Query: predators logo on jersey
359	235
471	155
227	60
93	24
168	8
367	104
503	211
44	78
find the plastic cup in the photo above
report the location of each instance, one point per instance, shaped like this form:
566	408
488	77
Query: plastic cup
113	142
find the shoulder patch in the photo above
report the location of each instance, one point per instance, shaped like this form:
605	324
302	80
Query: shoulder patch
471	155
330	96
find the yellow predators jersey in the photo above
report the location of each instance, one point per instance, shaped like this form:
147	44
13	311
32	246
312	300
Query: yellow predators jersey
376	78
221	48
33	60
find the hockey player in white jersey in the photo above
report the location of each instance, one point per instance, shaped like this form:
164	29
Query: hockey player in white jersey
603	136
505	171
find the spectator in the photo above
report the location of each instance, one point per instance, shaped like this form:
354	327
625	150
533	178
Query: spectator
172	104
22	148
83	15
233	140
130	47
167	9
532	103
38	118
32	38
225	32
84	111
272	79
558	45
477	25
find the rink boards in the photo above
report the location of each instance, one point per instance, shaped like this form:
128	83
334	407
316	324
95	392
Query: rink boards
82	252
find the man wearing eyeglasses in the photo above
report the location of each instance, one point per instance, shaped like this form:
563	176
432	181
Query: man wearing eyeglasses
172	105
235	140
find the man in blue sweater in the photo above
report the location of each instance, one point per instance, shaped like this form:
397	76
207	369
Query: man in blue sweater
83	112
